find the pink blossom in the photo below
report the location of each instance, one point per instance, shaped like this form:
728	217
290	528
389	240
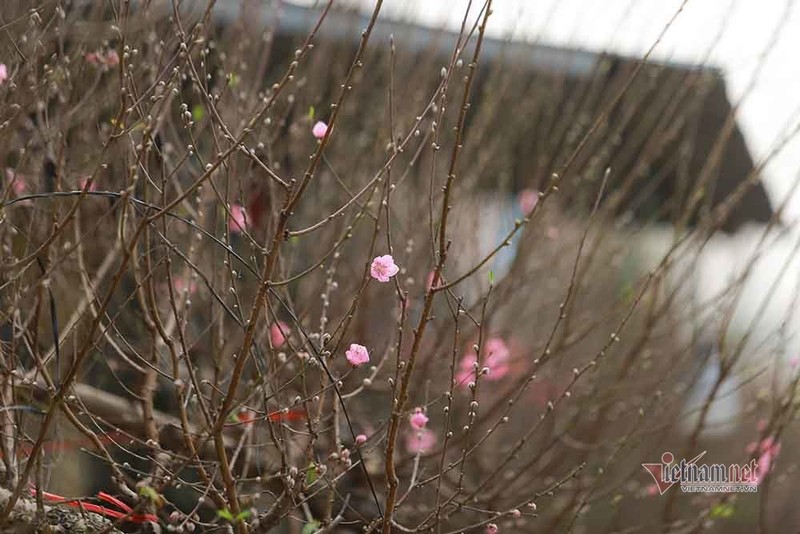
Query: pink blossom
361	439
319	130
420	441
237	220
794	362
357	355
277	333
418	419
527	200
83	182
107	59
180	286
17	184
491	528
496	357
769	450
3	73
383	268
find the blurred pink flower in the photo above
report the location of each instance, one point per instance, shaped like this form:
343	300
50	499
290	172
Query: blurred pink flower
429	283
527	200
277	333
237	220
418	419
180	286
496	357
107	59
18	186
84	181
3	73
319	130
552	232
420	441
357	355
383	268
491	528
768	451
361	439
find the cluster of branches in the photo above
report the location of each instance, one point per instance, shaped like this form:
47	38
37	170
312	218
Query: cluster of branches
189	217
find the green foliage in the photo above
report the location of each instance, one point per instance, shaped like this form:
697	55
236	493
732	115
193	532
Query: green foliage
198	112
310	527
722	511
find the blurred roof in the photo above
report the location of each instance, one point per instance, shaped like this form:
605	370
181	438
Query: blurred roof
708	141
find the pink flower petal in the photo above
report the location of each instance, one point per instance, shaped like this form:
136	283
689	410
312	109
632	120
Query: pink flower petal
383	268
527	200
277	333
357	355
418	419
319	130
237	220
18	185
496	357
180	286
421	441
83	182
3	73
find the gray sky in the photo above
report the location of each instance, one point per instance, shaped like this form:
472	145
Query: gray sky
757	46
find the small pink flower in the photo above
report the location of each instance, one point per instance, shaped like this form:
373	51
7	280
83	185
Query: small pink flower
516	513
92	57
383	268
3	73
421	441
361	439
491	528
277	333
418	419
357	355
237	220
527	200
319	130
